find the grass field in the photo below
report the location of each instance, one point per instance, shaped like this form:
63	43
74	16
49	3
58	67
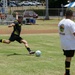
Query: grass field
15	60
40	24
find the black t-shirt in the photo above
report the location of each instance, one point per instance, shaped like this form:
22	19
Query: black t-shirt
17	28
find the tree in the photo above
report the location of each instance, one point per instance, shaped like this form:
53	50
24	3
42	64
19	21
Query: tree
71	0
56	3
47	13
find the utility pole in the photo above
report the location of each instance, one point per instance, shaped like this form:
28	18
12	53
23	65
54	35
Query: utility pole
62	10
47	13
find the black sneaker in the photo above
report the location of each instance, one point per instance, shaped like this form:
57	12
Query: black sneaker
66	74
31	52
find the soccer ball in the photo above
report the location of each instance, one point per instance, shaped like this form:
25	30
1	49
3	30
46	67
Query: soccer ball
38	53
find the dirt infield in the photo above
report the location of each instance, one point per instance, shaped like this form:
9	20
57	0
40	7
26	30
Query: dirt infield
38	31
50	28
8	31
41	27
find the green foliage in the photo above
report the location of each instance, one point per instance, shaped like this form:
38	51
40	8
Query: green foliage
56	3
14	14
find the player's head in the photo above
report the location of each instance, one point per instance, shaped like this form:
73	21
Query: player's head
69	13
20	18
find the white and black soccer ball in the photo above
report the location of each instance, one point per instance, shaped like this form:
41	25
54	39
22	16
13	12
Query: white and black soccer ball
38	53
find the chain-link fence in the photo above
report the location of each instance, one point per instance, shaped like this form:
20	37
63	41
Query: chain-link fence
40	10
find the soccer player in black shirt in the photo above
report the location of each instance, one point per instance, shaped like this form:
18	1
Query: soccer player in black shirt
16	34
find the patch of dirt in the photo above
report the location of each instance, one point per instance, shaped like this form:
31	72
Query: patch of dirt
6	31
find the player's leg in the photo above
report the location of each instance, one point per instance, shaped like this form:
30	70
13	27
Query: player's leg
5	41
67	65
11	38
20	40
69	54
27	46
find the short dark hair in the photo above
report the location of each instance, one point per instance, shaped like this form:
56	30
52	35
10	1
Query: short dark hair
20	16
69	13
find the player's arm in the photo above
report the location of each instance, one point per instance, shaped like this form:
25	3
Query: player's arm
72	28
11	25
74	34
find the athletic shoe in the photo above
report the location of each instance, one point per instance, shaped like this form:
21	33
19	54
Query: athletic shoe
65	74
31	52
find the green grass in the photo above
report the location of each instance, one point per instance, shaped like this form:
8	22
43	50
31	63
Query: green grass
15	60
51	61
40	25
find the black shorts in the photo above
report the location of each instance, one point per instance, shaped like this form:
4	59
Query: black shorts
14	37
69	53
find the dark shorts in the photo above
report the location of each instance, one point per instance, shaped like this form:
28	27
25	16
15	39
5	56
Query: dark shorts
69	53
14	37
